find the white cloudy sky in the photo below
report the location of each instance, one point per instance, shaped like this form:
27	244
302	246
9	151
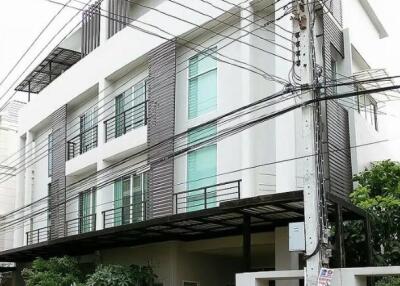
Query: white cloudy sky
22	20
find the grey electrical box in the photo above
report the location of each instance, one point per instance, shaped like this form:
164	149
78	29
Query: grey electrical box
297	240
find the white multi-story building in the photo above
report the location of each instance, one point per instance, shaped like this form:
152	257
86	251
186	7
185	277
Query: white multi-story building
8	148
136	148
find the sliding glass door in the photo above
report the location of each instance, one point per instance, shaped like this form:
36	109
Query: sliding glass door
129	194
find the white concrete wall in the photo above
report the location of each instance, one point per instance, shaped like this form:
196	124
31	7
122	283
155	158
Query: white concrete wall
235	87
362	31
116	53
341	276
8	146
210	262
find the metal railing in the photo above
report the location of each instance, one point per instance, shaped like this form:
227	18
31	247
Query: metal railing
124	215
80	225
126	121
38	235
82	143
206	197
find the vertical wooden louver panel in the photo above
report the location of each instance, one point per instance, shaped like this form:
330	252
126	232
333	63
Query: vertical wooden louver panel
161	127
118	16
91	28
335	135
57	187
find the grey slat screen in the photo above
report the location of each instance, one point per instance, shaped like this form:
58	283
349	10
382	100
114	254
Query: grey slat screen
118	14
57	187
161	126
91	28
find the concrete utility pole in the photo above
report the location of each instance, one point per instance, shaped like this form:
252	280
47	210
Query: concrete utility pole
304	13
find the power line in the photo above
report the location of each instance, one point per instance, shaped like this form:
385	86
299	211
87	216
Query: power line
265	164
256	121
80	2
34	42
40	52
177	136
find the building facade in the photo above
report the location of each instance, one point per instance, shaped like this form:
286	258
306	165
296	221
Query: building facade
148	138
8	148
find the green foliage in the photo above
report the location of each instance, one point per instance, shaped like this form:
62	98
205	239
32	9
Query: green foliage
389	281
378	193
118	275
57	271
64	271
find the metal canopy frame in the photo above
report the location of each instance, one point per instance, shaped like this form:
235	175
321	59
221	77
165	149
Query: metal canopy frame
240	217
57	62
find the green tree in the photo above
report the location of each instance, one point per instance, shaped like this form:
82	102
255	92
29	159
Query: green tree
118	275
57	271
378	193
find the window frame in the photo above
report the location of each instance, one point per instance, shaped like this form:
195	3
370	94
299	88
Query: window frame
50	154
84	220
195	283
210	53
143	181
362	105
198	139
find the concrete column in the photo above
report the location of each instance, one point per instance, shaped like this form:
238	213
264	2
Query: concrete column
249	186
284	259
104	21
29	177
19	236
104	196
285	124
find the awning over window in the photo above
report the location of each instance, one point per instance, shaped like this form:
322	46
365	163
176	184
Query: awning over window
57	62
377	78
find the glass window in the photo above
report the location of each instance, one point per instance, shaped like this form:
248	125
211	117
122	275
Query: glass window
130	108
201	170
129	197
368	109
334	76
50	154
202	83
88	122
87	207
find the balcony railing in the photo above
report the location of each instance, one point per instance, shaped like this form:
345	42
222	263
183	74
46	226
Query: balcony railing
38	235
80	225
82	143
124	215
126	121
206	197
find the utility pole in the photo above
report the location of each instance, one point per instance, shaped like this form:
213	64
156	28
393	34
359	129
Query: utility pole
303	17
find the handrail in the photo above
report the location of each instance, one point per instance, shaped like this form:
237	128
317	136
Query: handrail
142	213
120	124
82	133
78	226
206	197
82	142
209	187
37	235
125	111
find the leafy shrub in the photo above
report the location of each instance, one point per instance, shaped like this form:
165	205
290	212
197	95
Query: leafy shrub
118	275
57	271
389	281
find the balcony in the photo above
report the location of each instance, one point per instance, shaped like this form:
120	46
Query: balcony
124	215
206	197
80	225
197	199
82	143
126	121
38	235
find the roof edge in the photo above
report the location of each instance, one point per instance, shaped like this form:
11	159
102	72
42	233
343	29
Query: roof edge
374	19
